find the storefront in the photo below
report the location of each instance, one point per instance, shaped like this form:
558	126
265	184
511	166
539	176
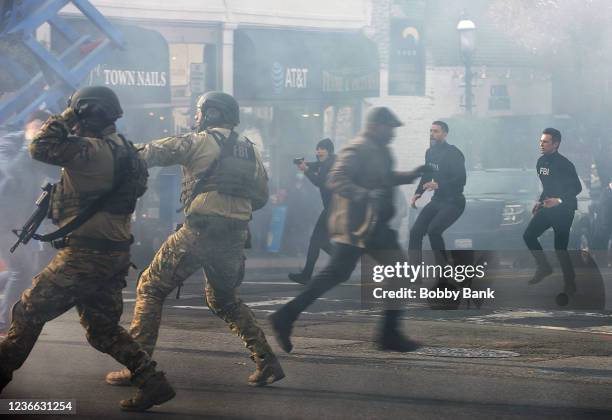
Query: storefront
139	74
296	87
194	65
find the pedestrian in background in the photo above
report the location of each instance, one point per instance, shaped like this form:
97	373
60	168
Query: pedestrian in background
317	173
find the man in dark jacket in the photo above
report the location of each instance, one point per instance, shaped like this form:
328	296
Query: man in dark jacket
445	175
317	174
362	181
555	208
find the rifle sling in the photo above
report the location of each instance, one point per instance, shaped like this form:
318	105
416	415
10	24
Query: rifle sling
77	222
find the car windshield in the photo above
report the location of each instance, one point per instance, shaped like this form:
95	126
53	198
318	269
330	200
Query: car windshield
499	182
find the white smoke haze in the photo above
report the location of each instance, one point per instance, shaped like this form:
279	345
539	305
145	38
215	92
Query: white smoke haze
536	63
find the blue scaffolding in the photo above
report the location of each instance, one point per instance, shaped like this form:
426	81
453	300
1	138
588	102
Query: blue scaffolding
60	72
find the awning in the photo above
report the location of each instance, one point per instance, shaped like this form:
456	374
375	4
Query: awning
285	64
139	74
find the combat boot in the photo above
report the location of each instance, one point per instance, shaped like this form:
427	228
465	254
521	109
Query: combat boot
540	274
390	338
121	377
395	341
299	278
543	268
155	390
282	325
268	371
4	380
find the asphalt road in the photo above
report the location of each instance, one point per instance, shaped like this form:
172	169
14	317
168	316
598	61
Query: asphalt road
476	364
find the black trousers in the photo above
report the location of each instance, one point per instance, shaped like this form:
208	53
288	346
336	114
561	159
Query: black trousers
383	247
560	219
319	240
434	219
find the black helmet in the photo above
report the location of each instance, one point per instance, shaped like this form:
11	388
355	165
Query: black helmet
218	108
97	105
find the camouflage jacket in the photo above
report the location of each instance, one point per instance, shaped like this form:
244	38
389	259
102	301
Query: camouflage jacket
87	168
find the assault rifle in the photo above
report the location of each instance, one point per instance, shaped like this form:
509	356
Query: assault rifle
28	231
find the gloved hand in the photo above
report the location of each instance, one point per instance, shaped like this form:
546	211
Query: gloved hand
69	117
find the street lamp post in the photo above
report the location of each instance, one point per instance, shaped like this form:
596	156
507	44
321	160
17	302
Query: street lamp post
467	38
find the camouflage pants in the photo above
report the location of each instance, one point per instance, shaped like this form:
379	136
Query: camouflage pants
91	281
217	246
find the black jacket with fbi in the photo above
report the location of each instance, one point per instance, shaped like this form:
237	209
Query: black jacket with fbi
444	164
559	179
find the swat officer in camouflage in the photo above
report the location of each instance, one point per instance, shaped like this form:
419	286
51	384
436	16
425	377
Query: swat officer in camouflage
223	182
102	177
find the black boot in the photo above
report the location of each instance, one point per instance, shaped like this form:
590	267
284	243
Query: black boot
391	339
543	269
569	275
395	341
282	325
299	278
540	274
569	287
4	380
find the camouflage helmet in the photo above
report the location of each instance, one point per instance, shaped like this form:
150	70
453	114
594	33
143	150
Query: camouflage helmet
96	103
218	108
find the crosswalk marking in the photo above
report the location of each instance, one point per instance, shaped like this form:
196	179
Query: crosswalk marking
280	301
265	301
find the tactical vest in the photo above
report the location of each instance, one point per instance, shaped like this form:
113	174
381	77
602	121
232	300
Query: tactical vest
232	173
129	183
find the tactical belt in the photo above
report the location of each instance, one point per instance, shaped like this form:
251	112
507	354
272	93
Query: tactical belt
102	245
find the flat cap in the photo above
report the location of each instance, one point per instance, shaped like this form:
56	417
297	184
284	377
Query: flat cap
383	116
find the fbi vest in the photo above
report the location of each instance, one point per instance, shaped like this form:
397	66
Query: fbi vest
232	173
